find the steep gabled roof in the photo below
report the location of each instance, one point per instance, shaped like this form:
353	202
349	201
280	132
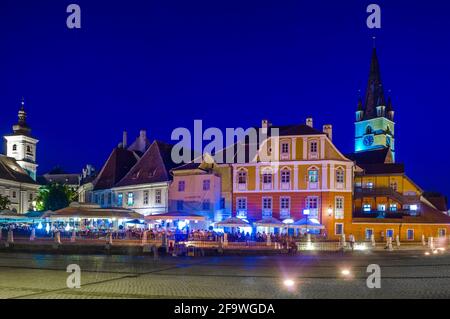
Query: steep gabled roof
116	167
153	167
10	170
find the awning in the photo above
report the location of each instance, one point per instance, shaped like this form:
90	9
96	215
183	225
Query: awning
175	216
89	211
269	222
233	222
307	223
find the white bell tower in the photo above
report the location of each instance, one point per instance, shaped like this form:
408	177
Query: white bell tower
21	145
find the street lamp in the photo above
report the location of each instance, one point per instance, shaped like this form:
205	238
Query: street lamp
306	213
330	211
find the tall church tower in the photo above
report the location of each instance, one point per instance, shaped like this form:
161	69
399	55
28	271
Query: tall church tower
375	126
21	145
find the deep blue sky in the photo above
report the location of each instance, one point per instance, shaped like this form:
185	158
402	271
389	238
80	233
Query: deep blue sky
160	64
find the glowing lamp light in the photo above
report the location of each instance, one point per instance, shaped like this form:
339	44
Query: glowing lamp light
39	226
413	207
288	221
289	283
435	251
345	272
67	228
306	212
330	211
47	228
427	253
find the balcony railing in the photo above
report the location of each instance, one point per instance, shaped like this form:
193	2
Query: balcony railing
361	192
385	214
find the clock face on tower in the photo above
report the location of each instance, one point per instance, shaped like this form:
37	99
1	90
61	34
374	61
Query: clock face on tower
368	140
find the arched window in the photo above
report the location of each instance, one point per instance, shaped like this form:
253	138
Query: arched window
285	176
14	148
313	175
369	129
267	175
29	150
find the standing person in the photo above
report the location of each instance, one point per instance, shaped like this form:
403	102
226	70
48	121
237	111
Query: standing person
351	239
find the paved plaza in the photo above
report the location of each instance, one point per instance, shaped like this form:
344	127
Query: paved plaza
404	275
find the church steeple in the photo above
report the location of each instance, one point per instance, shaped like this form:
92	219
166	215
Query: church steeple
374	92
20	145
21	128
374	125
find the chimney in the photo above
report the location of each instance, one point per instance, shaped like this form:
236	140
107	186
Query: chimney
328	129
124	139
265	125
143	134
309	122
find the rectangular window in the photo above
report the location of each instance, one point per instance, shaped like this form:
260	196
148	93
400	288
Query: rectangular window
442	232
109	199
181	186
313	176
242	177
145	197
222	203
206	204
14	194
340	176
120	199
369	233
285	203
267	178
367	208
180	205
369	185
267	207
130	199
312	204
393	207
389	233
338	229
381	207
102	199
313	147
410	234
30	198
241	203
158	196
206	184
285	177
339	208
285	148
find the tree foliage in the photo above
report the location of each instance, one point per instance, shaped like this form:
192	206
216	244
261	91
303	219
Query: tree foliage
55	196
4	202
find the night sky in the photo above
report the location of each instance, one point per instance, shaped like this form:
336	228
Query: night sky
160	64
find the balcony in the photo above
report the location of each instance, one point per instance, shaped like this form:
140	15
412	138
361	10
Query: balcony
361	192
385	214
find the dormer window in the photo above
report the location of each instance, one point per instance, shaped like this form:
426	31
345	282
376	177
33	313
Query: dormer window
285	150
313	149
340	178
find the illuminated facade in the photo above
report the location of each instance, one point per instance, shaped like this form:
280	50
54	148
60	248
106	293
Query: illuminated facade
308	179
18	167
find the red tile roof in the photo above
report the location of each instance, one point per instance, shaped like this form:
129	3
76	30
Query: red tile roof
116	167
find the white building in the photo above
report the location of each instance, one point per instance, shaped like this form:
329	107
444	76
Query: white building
18	168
